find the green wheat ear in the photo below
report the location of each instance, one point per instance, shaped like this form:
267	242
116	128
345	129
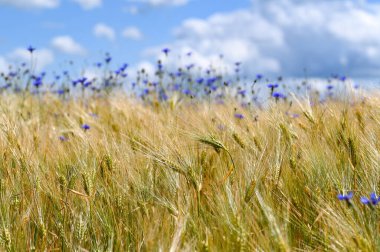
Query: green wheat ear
218	146
211	141
238	140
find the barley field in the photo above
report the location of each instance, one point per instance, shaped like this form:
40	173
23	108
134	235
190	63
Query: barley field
115	174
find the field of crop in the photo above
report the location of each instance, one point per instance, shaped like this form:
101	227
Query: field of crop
114	173
189	125
186	160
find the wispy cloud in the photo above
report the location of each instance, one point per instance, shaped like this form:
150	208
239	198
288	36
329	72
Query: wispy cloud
27	4
67	44
89	4
104	31
132	32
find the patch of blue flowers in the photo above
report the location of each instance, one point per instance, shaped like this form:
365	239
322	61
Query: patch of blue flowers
164	84
372	200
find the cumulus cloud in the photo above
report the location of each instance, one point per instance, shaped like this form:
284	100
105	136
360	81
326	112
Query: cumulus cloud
31	3
41	57
287	37
68	45
89	4
104	31
132	33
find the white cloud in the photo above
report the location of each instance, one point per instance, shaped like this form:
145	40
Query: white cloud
132	33
287	36
41	57
146	65
93	73
4	65
89	4
67	45
104	31
31	3
162	2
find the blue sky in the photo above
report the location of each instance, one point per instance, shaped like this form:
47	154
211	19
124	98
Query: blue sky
274	37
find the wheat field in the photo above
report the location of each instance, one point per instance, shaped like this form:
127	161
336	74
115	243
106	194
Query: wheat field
188	176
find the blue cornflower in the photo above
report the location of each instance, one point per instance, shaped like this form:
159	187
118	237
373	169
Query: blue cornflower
63	138
145	91
210	81
259	76
160	67
82	80
176	87
242	92
108	59
87	84
343	78
166	51
188	67
37	82
85	127
124	67
31	49
239	116
295	116
162	95
278	95
372	200
272	85
213	87
61	91
329	87
6	86
200	80
345	197
12	74
187	92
